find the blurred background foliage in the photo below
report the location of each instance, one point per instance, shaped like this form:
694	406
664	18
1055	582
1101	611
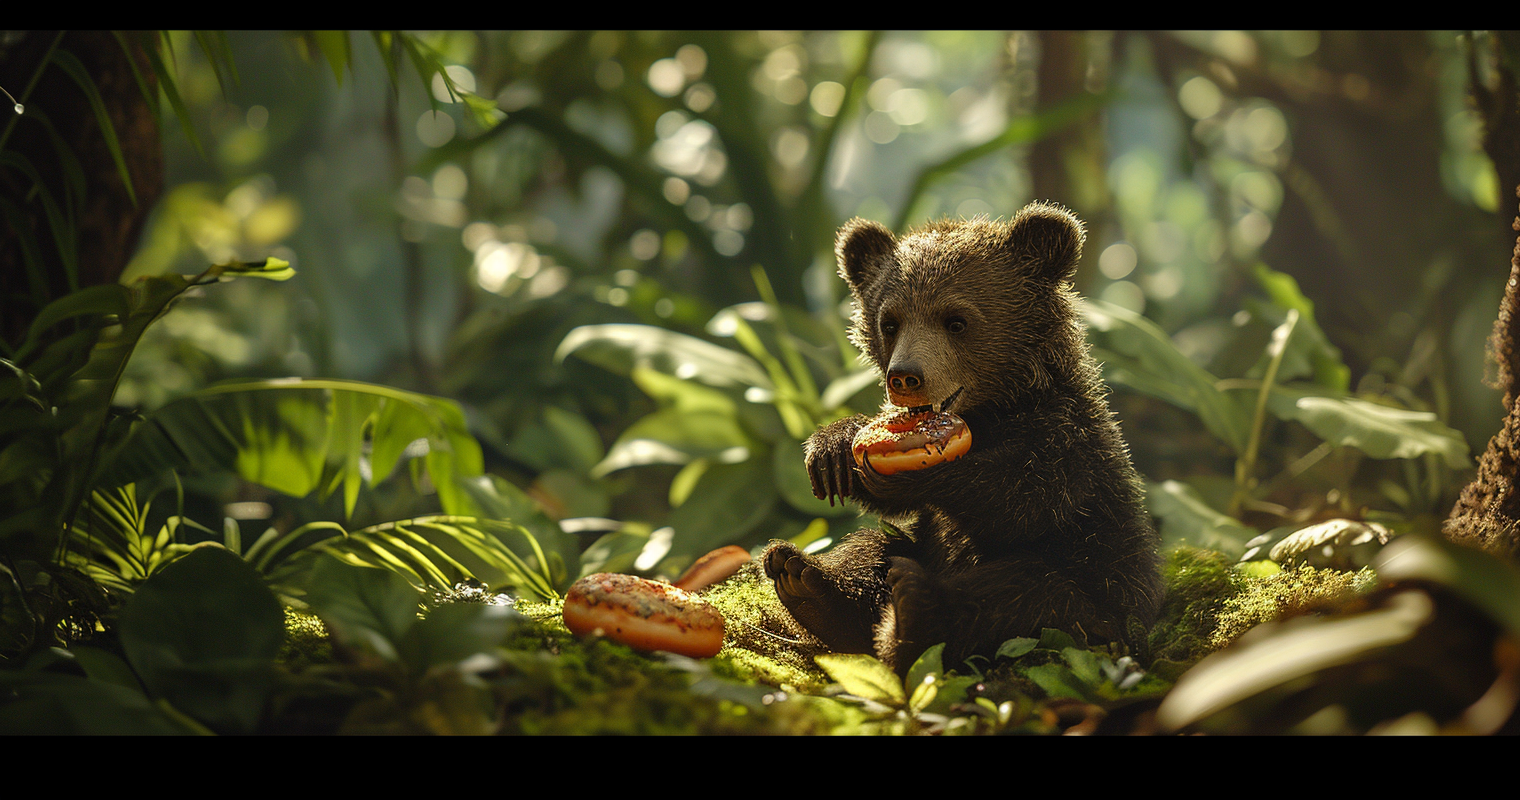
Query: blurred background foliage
678	192
550	303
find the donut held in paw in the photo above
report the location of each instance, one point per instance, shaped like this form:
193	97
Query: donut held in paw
910	440
644	614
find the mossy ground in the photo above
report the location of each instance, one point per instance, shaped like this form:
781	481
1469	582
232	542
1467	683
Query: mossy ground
765	679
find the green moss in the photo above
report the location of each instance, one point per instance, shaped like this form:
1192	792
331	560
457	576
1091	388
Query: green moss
306	640
761	642
1198	583
1288	593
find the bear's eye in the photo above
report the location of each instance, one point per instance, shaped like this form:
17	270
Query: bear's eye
888	327
955	325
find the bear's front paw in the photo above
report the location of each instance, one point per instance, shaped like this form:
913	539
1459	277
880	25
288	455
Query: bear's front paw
832	472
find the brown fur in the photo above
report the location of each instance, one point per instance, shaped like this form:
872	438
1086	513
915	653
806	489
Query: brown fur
1042	524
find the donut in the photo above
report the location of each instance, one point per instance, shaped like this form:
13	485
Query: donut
644	614
909	440
713	567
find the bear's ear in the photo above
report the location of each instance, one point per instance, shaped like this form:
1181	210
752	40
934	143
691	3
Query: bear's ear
1049	237
863	248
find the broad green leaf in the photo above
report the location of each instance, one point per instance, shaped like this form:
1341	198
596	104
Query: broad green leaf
1486	581
685	396
1377	430
1055	639
669	436
1309	353
286	434
49	703
203	633
454	632
110	300
620	348
1153	365
562	439
1186	517
370	608
1057	680
1013	648
924	693
930	663
105	666
1084	664
864	676
1284	652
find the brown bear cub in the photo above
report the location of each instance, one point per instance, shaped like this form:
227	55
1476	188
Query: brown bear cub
1042	524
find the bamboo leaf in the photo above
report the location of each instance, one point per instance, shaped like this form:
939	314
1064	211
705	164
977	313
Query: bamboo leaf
71	66
335	48
170	89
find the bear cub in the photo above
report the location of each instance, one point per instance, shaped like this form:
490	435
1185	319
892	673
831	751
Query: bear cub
1042	524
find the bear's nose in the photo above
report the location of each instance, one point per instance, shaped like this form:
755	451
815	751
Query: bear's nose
905	382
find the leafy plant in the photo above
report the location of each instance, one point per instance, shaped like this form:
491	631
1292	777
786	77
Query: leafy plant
1139	356
735	420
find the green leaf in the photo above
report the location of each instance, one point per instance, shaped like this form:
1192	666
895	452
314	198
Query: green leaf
669	436
1309	352
71	66
500	500
335	48
1145	359
286	434
1488	582
930	663
203	633
1014	648
1279	653
864	676
1186	517
1054	639
167	83
365	607
1377	430
105	666
1084	665
1057	680
621	348
563	439
454	632
47	703
842	389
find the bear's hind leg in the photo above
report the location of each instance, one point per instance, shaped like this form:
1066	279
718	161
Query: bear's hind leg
837	597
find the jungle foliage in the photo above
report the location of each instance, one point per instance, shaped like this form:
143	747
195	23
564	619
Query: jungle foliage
543	304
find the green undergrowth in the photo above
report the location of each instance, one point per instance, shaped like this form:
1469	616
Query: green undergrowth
766	678
1210	601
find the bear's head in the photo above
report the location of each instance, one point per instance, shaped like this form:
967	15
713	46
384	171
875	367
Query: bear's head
978	305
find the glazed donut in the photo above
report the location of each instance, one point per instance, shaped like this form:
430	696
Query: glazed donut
713	567
909	440
644	614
